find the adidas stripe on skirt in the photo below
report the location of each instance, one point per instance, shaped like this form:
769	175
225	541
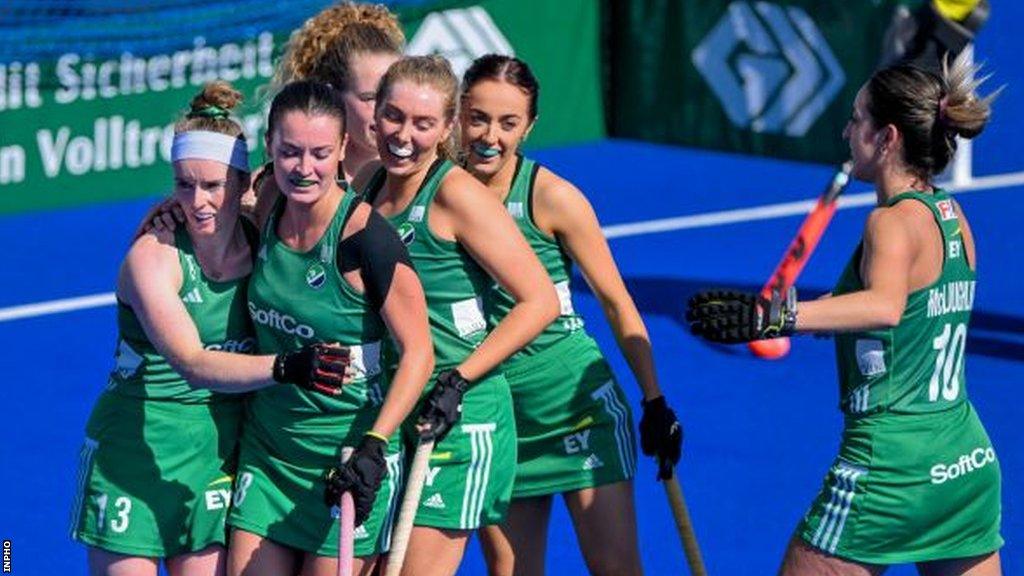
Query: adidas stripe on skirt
469	480
909	488
574	424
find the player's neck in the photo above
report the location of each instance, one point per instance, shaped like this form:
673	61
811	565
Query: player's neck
302	225
891	183
216	253
356	157
500	183
399	190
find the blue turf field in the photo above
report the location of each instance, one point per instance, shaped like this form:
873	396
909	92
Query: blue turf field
759	436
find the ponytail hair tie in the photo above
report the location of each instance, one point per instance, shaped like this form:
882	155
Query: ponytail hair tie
943	103
210	111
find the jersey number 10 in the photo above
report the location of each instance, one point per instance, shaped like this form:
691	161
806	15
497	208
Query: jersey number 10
948	362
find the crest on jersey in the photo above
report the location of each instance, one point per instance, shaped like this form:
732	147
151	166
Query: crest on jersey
870	357
946	210
316	275
407	233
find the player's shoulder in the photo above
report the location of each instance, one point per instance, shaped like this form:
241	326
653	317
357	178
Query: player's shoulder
152	257
547	180
555	193
155	244
459	177
907	214
357	221
900	224
459	188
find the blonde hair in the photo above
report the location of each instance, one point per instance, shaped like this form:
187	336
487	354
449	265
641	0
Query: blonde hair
930	111
322	47
210	110
964	112
433	71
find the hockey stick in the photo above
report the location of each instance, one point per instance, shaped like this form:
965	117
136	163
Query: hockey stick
800	249
346	526
410	503
681	514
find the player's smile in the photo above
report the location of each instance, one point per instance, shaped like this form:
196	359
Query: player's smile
401	152
485	151
410	124
495	120
201	188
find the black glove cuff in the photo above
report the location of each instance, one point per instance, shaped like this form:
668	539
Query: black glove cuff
279	368
654	403
453	379
781	312
789	312
371	443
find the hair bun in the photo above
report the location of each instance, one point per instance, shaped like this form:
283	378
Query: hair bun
215	101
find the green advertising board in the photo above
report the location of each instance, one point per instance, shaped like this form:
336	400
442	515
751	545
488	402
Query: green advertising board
83	129
558	39
775	77
87	126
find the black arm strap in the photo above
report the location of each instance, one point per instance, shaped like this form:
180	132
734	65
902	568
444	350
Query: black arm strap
376	252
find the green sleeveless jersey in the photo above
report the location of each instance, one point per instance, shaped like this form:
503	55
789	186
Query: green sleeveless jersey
453	282
553	257
298	298
917	366
218	311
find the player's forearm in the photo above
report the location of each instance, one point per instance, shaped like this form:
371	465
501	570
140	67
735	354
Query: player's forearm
225	371
414	369
637	350
524	322
634	342
864	310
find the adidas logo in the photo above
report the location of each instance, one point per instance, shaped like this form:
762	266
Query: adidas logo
190	261
193	297
360	533
592	462
434	501
460	35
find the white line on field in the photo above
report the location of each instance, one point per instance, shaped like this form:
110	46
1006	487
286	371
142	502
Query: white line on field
56	306
756	213
784	209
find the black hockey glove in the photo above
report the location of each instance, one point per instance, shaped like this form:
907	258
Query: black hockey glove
661	435
443	408
731	317
317	367
361	476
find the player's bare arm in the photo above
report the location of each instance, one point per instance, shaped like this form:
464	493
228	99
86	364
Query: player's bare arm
561	210
886	263
477	220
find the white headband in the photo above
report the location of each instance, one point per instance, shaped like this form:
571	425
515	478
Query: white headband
206	145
